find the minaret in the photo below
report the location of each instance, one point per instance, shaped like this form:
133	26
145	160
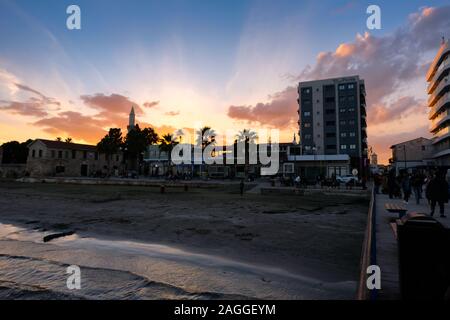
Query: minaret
131	121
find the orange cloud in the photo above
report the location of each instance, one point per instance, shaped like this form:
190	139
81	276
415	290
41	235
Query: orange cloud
280	112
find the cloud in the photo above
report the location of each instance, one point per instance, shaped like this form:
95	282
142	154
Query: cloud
75	125
386	63
400	108
151	104
390	65
36	105
112	109
172	113
29	108
279	112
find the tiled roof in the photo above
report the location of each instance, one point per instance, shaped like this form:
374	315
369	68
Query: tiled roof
53	144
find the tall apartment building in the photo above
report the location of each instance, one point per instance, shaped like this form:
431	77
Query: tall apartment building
439	104
332	119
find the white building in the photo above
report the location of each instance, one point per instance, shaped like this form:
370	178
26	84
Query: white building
439	104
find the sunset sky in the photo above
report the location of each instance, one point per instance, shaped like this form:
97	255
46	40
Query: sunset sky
229	64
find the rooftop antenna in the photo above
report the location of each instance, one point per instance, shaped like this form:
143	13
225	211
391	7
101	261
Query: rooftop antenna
443	40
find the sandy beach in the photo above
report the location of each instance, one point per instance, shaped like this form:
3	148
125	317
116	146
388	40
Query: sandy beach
306	237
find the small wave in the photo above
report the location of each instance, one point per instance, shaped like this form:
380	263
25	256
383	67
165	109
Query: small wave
30	278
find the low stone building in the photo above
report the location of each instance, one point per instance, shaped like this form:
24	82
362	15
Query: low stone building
57	158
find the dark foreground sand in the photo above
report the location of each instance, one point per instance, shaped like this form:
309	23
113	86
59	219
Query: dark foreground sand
317	236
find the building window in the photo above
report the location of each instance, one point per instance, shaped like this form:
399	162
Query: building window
351	86
351	122
329	100
352	134
351	110
342	110
343	147
307	136
117	158
331	135
74	154
351	98
343	134
66	154
84	154
59	154
331	147
96	156
33	153
342	87
40	153
307	125
329	111
423	148
307	113
353	146
306	91
331	123
342	123
53	153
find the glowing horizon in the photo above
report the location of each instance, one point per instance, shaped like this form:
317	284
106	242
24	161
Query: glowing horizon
228	65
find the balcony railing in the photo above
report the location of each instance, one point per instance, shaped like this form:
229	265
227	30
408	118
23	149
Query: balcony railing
434	97
441	102
442	132
439	120
444	65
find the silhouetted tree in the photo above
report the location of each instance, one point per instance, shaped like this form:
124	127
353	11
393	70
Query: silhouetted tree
15	152
137	141
110	144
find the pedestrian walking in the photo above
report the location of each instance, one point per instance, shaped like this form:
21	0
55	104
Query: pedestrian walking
406	187
437	193
417	183
391	184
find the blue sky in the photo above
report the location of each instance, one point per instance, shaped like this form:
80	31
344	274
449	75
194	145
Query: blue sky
196	57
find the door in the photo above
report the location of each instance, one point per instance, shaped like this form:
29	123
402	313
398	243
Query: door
84	170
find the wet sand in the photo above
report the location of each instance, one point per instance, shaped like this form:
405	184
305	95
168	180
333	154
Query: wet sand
309	237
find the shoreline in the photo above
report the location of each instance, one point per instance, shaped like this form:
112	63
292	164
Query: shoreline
307	238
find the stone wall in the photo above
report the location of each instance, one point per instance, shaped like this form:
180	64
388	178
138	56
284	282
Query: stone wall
12	171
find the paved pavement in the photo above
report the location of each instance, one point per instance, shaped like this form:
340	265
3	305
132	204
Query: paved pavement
387	251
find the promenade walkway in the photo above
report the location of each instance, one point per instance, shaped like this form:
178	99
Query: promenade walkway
387	251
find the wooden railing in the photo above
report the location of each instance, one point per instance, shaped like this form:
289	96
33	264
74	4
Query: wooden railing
368	254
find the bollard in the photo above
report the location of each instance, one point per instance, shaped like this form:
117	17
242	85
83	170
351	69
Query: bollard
163	189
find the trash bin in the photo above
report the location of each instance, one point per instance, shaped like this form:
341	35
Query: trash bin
424	249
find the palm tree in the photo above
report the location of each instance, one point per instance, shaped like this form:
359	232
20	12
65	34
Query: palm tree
205	137
167	143
58	139
69	140
247	137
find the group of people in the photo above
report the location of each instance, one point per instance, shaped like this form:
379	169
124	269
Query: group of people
435	185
